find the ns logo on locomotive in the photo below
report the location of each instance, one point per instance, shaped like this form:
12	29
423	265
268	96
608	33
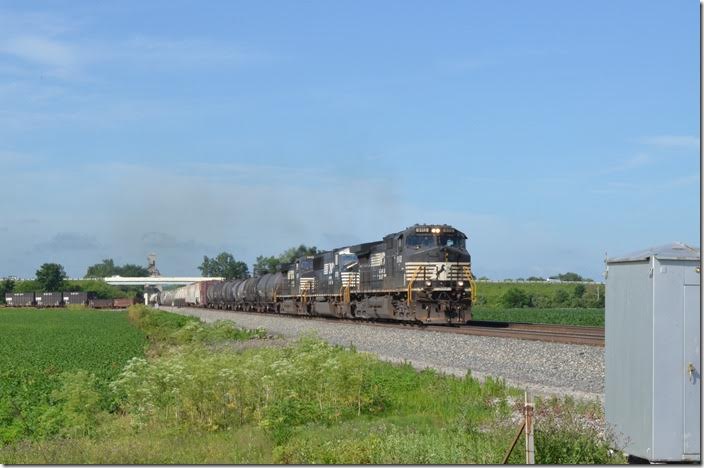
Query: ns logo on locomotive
421	274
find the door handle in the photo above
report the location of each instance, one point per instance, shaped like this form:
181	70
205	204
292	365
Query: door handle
691	369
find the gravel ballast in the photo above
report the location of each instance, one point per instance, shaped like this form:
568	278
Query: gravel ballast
544	368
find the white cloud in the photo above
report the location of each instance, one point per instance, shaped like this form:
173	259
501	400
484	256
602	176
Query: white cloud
634	162
67	59
672	141
40	50
179	52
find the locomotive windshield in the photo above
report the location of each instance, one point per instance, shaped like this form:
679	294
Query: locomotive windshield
451	240
347	260
445	240
418	241
306	265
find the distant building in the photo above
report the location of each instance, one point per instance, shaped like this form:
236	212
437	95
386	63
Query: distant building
151	265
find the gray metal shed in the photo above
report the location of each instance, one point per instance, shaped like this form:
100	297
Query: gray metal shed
653	369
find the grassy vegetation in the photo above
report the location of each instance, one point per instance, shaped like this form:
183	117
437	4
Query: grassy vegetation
174	329
540	295
200	397
44	352
560	303
583	317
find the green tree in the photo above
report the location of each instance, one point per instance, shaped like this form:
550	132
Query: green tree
293	253
535	278
515	297
6	286
270	264
108	268
569	276
101	270
131	270
51	277
561	296
224	265
579	291
266	265
207	267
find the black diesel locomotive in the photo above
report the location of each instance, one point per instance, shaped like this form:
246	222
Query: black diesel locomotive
421	274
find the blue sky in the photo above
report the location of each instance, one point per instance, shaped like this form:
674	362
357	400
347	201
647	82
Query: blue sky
549	132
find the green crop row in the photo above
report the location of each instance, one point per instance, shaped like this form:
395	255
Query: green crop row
38	347
583	317
540	295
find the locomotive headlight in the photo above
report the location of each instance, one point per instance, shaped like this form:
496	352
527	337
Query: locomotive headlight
428	283
460	283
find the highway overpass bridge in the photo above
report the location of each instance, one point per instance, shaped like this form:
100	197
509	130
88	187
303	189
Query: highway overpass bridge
156	280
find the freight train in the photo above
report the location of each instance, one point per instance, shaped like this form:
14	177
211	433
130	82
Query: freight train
58	299
421	274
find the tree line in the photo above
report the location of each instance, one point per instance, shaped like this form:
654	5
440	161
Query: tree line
576	298
51	277
225	265
562	277
108	268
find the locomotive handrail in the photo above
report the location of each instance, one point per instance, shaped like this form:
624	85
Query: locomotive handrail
303	295
472	283
345	293
409	295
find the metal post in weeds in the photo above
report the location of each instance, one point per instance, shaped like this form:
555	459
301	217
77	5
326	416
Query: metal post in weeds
527	425
528	414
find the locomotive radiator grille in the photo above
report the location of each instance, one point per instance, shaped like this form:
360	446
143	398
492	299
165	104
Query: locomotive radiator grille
350	279
307	284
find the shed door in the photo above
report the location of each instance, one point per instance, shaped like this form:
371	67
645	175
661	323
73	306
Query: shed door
692	384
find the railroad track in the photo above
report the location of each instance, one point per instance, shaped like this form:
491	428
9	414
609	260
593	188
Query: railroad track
569	334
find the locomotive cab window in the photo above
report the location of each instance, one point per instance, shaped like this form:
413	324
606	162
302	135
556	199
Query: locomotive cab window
417	241
347	260
306	265
447	240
